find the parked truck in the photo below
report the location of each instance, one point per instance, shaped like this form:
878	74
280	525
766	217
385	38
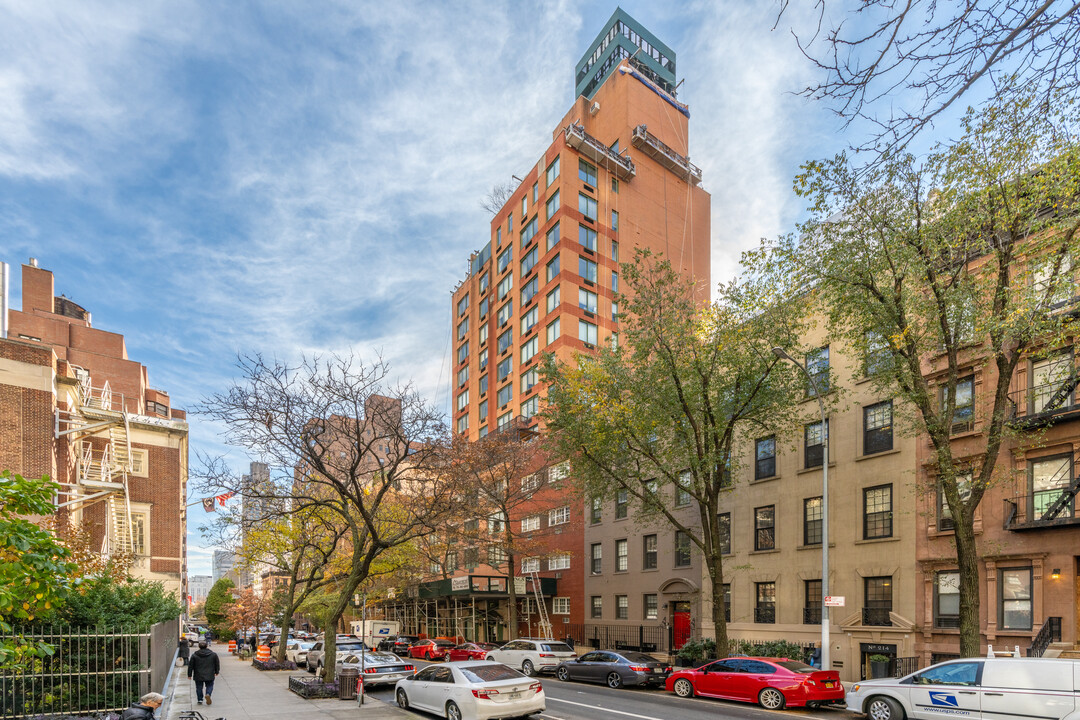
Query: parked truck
373	632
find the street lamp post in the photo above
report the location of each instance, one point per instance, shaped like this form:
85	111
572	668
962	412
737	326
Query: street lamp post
361	602
825	654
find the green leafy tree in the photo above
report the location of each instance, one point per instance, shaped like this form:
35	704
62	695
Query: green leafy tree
104	602
35	570
662	412
217	605
944	267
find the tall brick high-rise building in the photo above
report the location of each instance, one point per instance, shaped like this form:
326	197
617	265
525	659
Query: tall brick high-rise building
75	407
615	177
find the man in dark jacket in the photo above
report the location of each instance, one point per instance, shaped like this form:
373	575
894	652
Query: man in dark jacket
144	709
203	667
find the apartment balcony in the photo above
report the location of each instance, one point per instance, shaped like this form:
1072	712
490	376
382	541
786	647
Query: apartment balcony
599	153
1042	510
665	155
1047	404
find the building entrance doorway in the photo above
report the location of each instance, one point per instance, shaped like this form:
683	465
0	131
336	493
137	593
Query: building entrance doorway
680	623
868	650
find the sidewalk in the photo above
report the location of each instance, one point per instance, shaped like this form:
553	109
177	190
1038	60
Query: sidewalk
243	693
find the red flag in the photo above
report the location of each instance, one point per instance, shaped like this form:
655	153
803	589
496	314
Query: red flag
222	498
208	504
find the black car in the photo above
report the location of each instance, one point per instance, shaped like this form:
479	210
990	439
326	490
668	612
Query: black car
616	668
398	645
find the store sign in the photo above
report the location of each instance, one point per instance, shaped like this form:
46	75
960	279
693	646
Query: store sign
834	601
459	583
519	585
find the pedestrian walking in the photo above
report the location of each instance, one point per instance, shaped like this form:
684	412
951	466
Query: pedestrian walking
815	656
253	642
144	709
209	636
183	648
203	668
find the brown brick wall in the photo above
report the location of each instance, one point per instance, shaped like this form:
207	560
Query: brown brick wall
162	489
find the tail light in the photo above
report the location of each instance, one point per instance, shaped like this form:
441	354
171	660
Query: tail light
667	669
410	668
536	687
484	694
370	671
546	655
640	668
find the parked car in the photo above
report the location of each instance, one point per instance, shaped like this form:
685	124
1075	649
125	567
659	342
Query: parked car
990	688
379	668
297	651
615	668
430	649
773	683
399	644
533	655
471	651
316	654
474	690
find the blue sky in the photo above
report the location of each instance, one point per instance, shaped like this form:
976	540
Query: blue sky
213	178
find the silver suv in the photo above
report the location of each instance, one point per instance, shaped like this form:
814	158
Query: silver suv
533	655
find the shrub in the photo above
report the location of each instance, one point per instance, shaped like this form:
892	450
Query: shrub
768	648
273	665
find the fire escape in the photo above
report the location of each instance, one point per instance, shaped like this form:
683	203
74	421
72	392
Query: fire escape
98	471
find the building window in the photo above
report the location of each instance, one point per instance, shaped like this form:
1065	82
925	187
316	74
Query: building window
552	237
530	524
615	311
484	304
586	300
649	603
963	486
586	172
814	448
596	558
622	556
586	332
529	350
553	331
947	600
765	528
587	206
463	376
596	510
615	251
615	282
483	362
529	262
877	512
817	364
505	313
552	271
529	320
529	290
765	604
596	607
877	428
524	207
502	370
765	457
472	558
1050	479
482	409
530	565
811	602
462	400
1056	289
727	602
505	340
812	521
878	356
559	516
877	603
463	352
530	407
615	185
622	607
485	283
553	299
682	549
483	429
614	220
622	504
1014	598
587	269
505	394
462	305
560	606
964	413
528	380
559	472
504	258
1048	377
552	172
649	553
587	238
723	523
559	562
496	556
551	206
504	420
529	231
483	382
505	286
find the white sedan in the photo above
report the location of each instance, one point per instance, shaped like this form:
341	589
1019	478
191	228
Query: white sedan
471	690
297	651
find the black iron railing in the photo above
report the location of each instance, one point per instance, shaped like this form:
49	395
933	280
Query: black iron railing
1043	508
765	615
811	616
878	617
901	666
1048	633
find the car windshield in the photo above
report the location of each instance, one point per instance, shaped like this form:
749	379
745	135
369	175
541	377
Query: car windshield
489	673
557	647
444	643
351	646
639	658
796	666
486	646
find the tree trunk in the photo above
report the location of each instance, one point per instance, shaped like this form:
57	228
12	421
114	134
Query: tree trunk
719	609
511	589
967	561
286	621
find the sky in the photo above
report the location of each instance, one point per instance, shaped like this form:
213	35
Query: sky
211	179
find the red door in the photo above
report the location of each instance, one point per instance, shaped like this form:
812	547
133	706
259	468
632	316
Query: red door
680	624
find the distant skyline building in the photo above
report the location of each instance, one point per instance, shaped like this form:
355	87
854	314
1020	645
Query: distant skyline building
199	587
223	565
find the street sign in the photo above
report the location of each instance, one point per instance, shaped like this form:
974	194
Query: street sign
834	601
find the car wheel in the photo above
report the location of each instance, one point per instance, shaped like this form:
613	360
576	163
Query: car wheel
490	658
563	674
771	699
402	699
453	712
428	656
884	708
527	668
614	680
683	688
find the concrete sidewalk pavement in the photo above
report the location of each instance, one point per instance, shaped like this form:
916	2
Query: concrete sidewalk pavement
243	693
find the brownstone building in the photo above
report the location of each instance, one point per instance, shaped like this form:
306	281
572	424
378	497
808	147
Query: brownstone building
75	407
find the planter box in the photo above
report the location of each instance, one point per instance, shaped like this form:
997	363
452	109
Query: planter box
273	665
312	687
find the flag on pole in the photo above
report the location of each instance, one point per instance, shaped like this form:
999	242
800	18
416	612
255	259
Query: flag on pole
222	498
208	504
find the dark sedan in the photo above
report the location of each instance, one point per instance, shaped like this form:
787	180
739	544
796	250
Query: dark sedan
398	645
615	669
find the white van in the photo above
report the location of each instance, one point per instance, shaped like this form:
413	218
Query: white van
1002	688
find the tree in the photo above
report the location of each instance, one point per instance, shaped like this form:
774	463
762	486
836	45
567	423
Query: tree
921	57
367	454
35	569
217	605
105	602
248	610
941	268
662	412
498	195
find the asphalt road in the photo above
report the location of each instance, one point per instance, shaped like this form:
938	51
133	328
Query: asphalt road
584	701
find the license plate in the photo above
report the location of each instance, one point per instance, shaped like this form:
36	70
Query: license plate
515	696
658	670
828	684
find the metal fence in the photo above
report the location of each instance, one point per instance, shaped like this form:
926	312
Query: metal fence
90	669
642	638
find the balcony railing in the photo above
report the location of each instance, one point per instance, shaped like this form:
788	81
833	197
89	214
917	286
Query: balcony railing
811	616
601	154
765	615
877	617
1046	403
665	155
1034	511
1048	633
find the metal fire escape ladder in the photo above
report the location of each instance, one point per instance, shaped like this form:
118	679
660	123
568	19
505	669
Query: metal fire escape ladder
1062	393
1067	495
545	624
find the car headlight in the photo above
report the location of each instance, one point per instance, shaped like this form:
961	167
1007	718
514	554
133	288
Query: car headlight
855	687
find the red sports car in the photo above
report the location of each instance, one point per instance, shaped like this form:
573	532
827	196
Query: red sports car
430	649
771	682
471	651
